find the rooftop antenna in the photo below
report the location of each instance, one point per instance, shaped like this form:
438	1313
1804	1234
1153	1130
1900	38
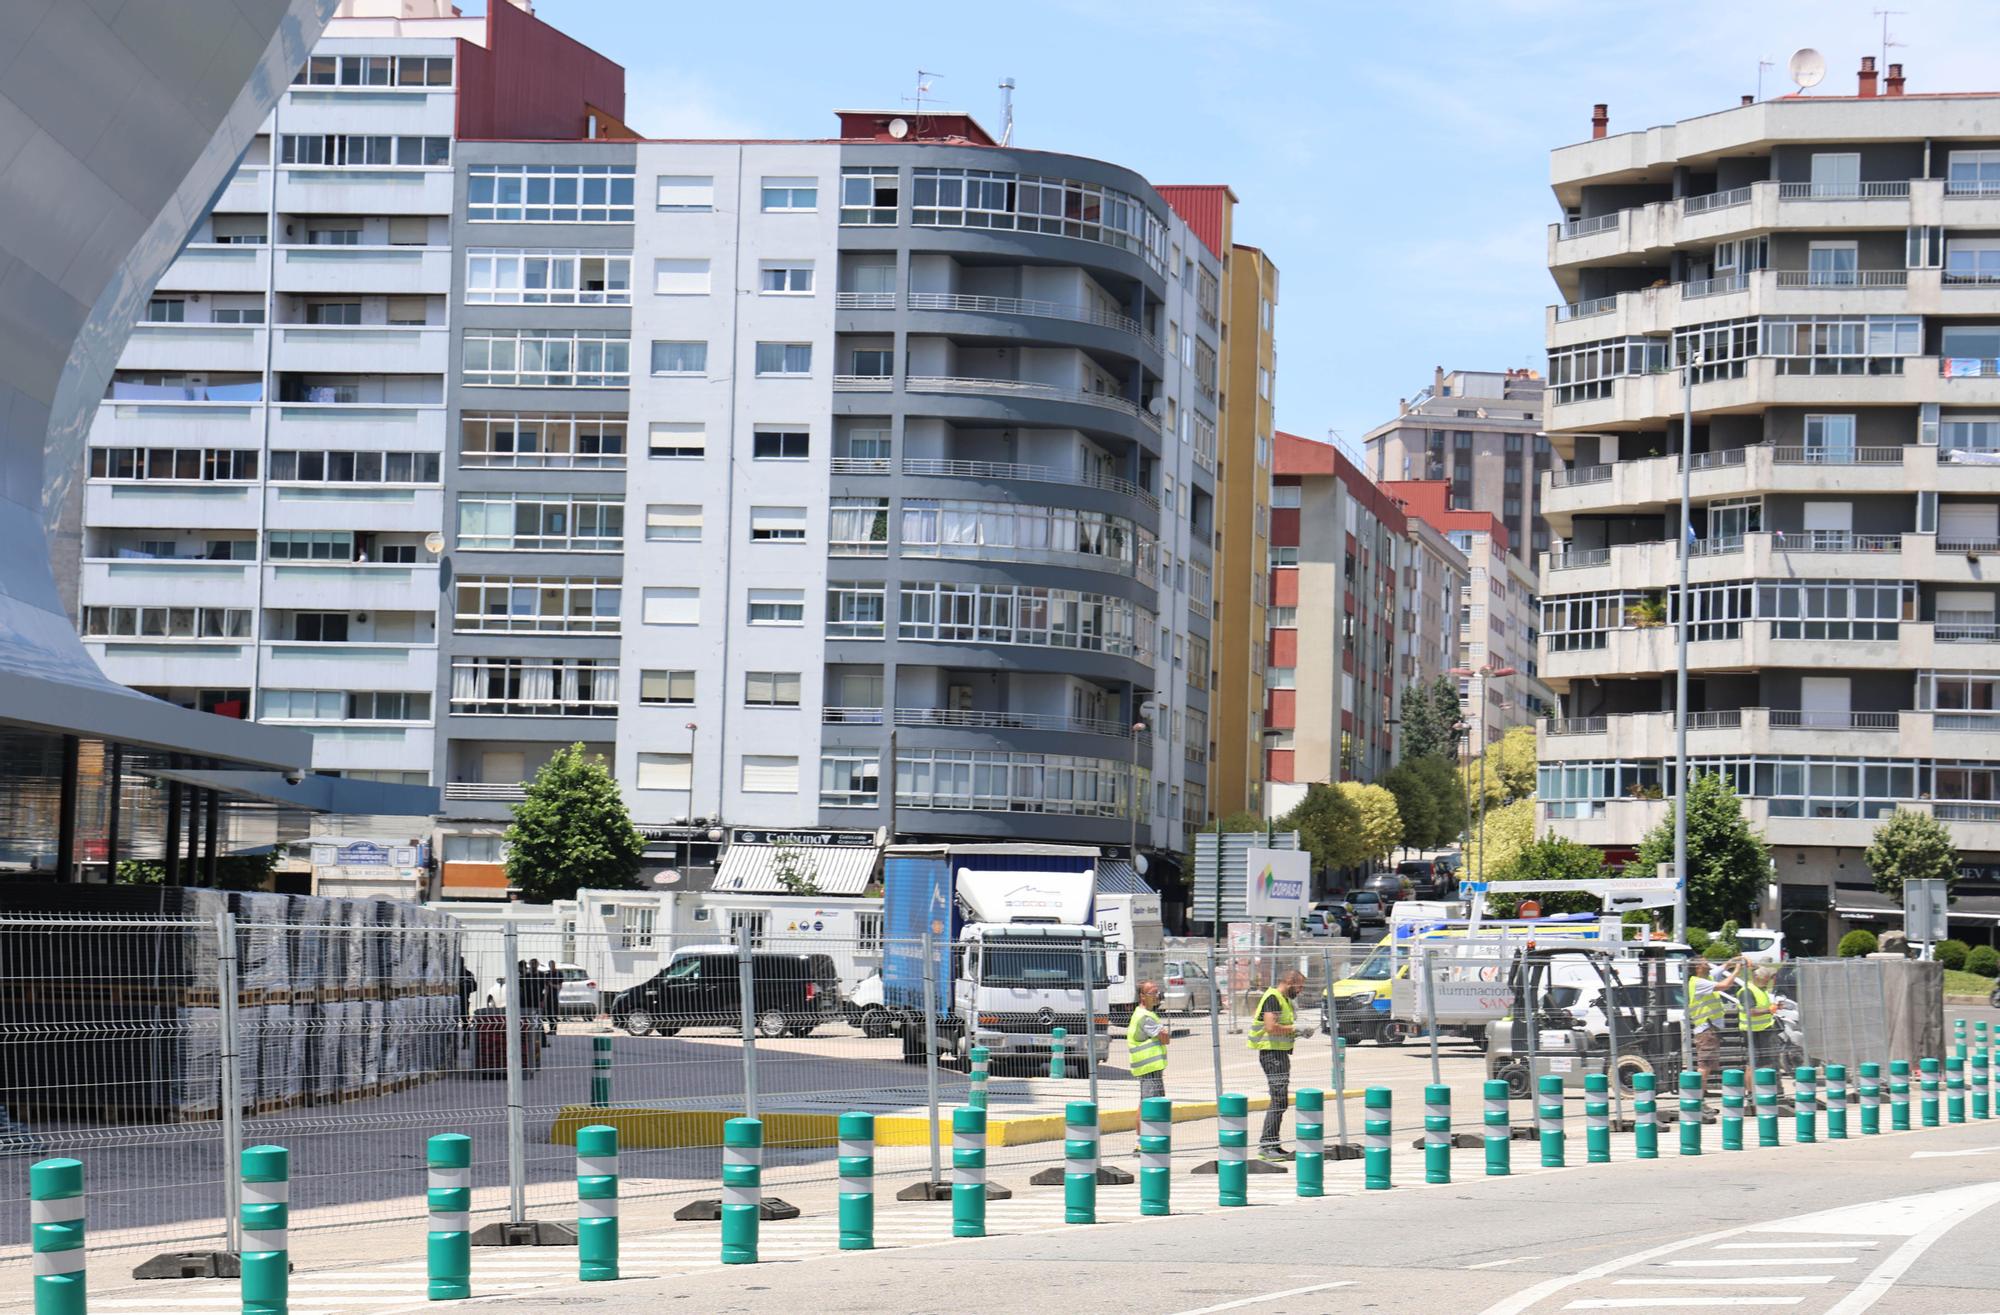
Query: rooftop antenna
924	77
1006	111
1807	67
1763	64
1885	15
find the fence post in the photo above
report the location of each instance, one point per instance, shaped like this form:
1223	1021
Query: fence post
1690	1112
857	1182
968	1172
517	1122
1871	1099
1836	1102
975	1094
1732	1109
1979	1082
600	1071
597	1203
1806	1113
1232	1139
1549	1118
227	997
1090	1021
1058	1052
931	1052
1899	1095
1309	1141
1215	1015
1954	1082
1929	1069
1499	1131
448	1198
1645	1117
1767	1106
266	1256
742	1189
1340	1091
55	1218
1375	1130
1156	1148
1597	1118
1437	1131
1080	1162
746	986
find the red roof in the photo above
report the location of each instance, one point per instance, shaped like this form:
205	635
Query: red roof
1429	500
1203	206
933	126
531	81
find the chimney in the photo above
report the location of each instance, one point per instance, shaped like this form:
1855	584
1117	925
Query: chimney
1748	99
1867	77
1600	121
1895	79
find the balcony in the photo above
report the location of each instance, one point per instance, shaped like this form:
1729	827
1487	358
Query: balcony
392	426
1020	388
1622	823
194	347
1654	482
864	301
1878	279
316	190
973	719
351	586
1632	650
376	269
1053	310
249	188
218	267
932	467
178	424
491	792
294	664
1660	226
361	349
183	504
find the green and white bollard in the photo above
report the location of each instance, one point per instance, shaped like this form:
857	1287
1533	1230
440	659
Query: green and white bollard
857	1181
1954	1095
1690	1120
1156	1156
448	1198
1899	1095
1437	1133
1871	1100
1732	1109
1058	1058
1980	1086
1645	1117
600	1072
742	1189
266	1256
1549	1118
1232	1139
1309	1141
1080	1162
1596	1118
1375	1129
1836	1102
968	1172
1957	1038
1929	1069
597	1202
975	1095
1805	1113
1498	1130
1766	1080
55	1220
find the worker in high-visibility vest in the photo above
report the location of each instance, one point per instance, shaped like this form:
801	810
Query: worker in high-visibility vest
1755	1013
1706	1005
1146	1043
1273	1031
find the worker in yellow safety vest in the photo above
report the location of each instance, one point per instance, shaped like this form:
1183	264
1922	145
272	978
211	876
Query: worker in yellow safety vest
1755	1012
1707	1002
1273	1031
1146	1043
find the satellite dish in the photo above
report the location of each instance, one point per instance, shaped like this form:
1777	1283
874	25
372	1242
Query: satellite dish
899	128
1807	67
434	543
666	877
1158	406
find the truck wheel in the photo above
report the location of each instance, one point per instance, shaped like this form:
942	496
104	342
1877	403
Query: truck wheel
875	1022
1394	1033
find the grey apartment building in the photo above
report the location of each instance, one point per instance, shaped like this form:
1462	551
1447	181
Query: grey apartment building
1829	268
1481	431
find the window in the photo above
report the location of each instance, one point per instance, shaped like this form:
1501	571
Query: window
790	195
775	277
770	774
1284	618
981	780
320	627
309	546
677	440
547	358
246	313
354	150
168	463
1830	438
666	771
680	277
784	358
983	198
1021	614
777	525
869	196
333	312
680	357
1968	260
1281	678
374	71
408	311
673	522
871	363
314	467
536	605
548	194
1285	495
858	527
388	705
855	611
771	689
547	278
534	522
1284	556
529	439
303	705
780	445
166	310
675	688
166	622
670	606
1589	370
685	192
534	687
777	607
849	778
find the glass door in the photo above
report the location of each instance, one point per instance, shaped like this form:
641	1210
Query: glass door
1836	175
1832	264
1830	439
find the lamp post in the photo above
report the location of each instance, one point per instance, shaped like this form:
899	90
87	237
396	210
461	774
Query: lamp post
1485	673
1138	729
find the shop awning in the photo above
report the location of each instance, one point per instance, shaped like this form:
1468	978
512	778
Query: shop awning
833	869
1116	876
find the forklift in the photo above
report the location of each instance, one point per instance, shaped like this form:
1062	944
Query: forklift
1636	1014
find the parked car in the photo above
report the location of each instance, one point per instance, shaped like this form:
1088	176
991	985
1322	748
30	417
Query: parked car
1185	987
577	994
794	993
864	1008
1367	909
1331	921
1389	886
1426	879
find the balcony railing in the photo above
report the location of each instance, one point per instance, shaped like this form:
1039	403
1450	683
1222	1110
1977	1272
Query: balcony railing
1825	719
1578	558
1955	811
863	383
1967	278
1730	456
1969	367
1576	725
1966	632
933	383
1843	278
1015	470
1985	723
1583	310
1575	475
864	301
1695	205
860	465
1053	310
1719	719
1972	187
976	719
1856	191
1695	289
1595	224
831	716
492	792
1835	541
1837	456
1971	547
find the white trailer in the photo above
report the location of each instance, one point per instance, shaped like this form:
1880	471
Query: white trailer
1134	946
848	928
544	932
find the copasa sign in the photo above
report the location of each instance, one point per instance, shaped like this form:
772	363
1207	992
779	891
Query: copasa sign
1277	883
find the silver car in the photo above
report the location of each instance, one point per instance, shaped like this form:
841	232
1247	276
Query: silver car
1185	987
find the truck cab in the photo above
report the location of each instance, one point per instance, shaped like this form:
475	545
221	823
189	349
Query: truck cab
1015	984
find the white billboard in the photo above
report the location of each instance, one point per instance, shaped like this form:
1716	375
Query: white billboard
1277	883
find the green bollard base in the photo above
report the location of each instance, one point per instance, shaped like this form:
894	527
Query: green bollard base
442	1291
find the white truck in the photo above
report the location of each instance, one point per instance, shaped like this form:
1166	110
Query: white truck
1134	947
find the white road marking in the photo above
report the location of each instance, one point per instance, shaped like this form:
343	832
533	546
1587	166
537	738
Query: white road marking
1268	1296
1970	1201
1793	1246
1953	1155
1642	1303
1511	1260
1758	1281
1733	1261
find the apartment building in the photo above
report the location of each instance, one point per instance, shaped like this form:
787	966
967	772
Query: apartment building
1436	580
897	446
1826	268
1337	544
1481	432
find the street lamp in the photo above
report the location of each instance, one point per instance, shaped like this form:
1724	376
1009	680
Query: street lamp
1138	729
1484	673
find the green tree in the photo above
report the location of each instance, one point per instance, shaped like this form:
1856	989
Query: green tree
1430	720
1728	863
1510	829
1447	796
572	831
794	870
1911	846
1415	804
1551	858
1329	827
1509	765
1381	827
1857	944
232	872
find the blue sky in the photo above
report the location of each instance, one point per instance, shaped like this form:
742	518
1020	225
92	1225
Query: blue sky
1392	158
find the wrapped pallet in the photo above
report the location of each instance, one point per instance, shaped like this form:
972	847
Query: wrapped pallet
321	1031
371	1038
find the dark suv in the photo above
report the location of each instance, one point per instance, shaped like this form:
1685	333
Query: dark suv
792	994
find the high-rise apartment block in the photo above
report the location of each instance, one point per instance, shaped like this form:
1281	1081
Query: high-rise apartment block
1480	431
1825	266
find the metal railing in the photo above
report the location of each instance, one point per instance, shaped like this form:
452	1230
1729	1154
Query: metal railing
1695	289
1576	725
1695	205
863	383
1583	310
1858	191
1969	546
1985	723
1732	456
1032	473
1829	719
1965	632
864	301
833	716
499	792
1835	541
1577	558
860	465
1719	719
1574	475
1051	310
1970	279
981	719
1969	367
1595	224
1953	811
1972	187
1843	278
1837	456
938	383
